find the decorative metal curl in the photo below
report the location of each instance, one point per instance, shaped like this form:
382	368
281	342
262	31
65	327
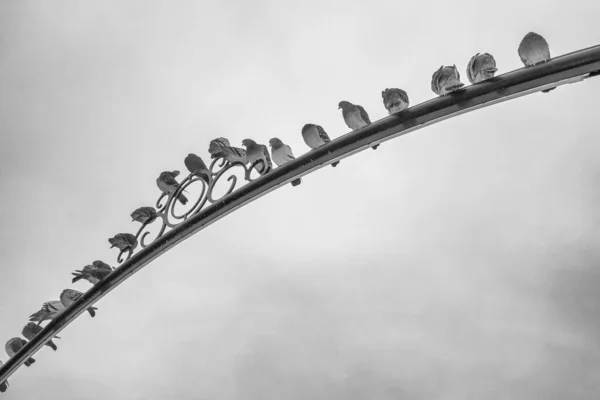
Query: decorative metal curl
166	204
254	166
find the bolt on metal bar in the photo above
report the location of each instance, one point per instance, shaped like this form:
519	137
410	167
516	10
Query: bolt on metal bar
569	68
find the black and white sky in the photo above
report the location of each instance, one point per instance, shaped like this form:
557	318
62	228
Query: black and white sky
458	262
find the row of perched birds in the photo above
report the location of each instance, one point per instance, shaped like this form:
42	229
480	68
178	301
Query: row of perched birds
533	50
93	273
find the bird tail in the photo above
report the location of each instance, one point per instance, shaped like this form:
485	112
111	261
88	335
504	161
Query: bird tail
548	90
375	147
296	182
29	362
92	311
335	164
182	199
37	316
3	386
78	276
52	345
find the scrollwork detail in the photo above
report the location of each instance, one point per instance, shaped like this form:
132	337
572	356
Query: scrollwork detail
166	214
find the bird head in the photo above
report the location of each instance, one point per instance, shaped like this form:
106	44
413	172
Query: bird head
101	265
275	142
307	127
32	327
248	142
344	104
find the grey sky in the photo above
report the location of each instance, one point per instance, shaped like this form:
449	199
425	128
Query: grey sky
459	262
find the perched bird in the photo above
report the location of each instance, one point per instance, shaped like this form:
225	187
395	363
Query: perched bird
13	346
167	183
49	311
3	385
196	166
123	241
481	67
144	215
93	273
394	100
256	152
282	153
355	116
533	50
315	136
220	148
31	330
70	296
446	80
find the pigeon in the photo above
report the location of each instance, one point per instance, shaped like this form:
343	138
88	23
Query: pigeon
13	346
196	165
123	241
220	148
282	153
256	152
3	385
481	67
31	330
355	116
315	136
93	273
533	50
394	100
70	296
49	311
446	80
144	215
167	183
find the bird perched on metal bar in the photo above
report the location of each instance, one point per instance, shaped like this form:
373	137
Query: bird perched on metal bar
123	241
256	152
315	136
167	183
31	330
533	50
14	345
282	154
4	385
196	166
481	67
144	215
49	311
220	148
355	116
394	100
446	80
70	296
93	273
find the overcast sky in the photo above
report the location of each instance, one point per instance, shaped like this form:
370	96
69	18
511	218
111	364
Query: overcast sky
458	262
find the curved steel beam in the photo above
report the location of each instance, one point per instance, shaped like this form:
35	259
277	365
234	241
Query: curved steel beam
570	68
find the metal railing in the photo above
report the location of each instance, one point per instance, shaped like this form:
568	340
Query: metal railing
570	68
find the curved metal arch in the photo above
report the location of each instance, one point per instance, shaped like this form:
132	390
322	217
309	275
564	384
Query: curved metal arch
569	68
